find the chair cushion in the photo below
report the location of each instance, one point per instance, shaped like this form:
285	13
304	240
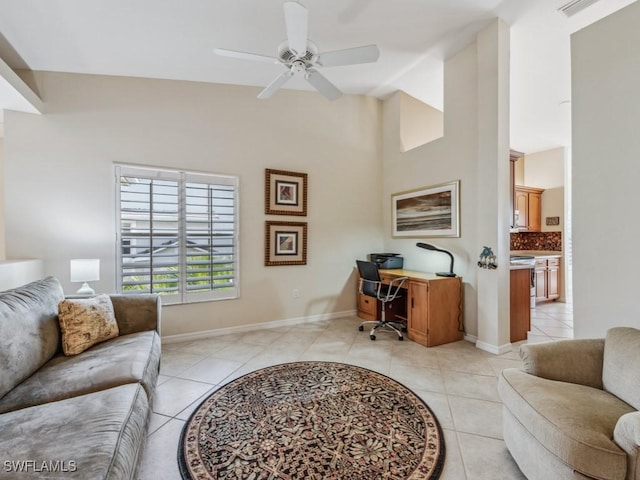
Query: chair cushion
99	435
85	322
29	331
574	422
621	364
127	359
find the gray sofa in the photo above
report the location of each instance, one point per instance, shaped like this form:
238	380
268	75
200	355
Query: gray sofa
77	417
572	412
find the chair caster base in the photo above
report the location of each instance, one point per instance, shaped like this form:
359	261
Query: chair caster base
372	337
361	328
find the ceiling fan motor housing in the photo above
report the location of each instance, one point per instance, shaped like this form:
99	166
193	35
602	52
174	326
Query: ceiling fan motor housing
288	57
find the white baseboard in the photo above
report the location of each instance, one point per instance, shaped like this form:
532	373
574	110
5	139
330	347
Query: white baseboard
182	337
470	338
496	350
487	347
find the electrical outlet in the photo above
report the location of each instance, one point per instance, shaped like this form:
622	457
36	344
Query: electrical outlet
296	293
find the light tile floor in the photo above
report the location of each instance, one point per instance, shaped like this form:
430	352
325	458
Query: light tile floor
551	321
457	380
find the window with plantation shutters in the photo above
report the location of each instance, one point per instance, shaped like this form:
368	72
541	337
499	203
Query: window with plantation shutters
177	234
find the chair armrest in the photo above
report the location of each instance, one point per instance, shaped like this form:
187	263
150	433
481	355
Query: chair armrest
399	280
137	313
375	285
394	287
626	434
573	361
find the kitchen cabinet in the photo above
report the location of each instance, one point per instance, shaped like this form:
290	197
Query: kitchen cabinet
514	156
520	303
528	203
547	272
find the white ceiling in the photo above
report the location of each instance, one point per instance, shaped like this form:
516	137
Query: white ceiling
174	39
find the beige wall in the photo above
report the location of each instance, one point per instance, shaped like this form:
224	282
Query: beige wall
419	123
60	179
545	169
466	148
606	172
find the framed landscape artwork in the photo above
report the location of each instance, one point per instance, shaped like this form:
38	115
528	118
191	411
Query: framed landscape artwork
427	212
285	243
285	192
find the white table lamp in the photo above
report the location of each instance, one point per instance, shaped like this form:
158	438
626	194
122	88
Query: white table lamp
85	270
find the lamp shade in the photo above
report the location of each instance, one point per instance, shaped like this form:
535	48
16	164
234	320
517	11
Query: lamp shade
85	269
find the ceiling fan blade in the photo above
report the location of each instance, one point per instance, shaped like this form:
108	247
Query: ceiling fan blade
324	86
296	18
349	56
245	56
275	85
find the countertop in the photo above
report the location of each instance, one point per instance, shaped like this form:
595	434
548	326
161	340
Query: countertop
538	253
519	266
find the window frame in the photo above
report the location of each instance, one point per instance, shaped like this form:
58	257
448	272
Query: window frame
181	177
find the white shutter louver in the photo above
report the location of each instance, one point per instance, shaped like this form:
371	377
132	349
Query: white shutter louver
177	234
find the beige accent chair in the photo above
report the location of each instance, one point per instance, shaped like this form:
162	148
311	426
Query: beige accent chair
572	413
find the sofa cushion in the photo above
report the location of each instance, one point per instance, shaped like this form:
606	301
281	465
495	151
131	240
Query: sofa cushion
85	322
575	422
127	359
621	364
29	329
98	435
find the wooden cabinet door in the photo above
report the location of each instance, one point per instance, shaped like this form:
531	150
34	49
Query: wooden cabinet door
522	206
520	304
553	279
534	215
445	311
528	202
418	312
541	280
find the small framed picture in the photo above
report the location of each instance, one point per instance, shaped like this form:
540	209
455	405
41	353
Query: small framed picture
432	211
285	193
285	243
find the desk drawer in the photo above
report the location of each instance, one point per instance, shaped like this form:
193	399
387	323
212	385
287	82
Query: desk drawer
367	305
553	262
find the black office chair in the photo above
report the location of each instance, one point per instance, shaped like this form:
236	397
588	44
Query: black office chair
372	286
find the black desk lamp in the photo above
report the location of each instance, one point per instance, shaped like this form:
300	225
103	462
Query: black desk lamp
428	246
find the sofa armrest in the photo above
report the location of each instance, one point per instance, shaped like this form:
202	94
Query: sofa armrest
573	361
627	436
137	313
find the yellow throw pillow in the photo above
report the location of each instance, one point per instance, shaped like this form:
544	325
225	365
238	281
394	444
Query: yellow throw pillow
85	322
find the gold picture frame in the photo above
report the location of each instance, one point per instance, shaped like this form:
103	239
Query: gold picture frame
285	243
285	192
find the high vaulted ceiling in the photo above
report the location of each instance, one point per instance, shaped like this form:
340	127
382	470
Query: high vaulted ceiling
174	39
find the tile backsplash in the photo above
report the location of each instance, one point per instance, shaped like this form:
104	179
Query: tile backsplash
537	241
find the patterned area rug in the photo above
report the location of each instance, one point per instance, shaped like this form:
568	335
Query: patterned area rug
312	420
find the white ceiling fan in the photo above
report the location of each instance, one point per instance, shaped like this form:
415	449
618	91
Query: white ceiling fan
299	55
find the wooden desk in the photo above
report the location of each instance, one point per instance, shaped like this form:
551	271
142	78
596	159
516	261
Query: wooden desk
434	306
